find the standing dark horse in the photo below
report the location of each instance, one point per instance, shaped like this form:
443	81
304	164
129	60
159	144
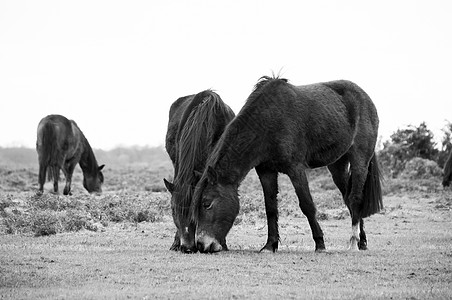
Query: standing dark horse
61	145
288	129
448	171
195	124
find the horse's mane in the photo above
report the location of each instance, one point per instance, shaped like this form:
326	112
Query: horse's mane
230	133
263	82
88	161
195	139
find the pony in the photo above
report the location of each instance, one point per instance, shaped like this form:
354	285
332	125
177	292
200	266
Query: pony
62	145
289	129
195	124
447	178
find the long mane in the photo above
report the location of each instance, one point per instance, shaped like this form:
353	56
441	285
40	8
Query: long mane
88	161
197	135
231	141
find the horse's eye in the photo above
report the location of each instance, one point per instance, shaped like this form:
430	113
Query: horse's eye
207	204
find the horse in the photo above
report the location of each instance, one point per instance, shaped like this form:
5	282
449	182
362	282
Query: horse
289	129
62	145
196	122
447	178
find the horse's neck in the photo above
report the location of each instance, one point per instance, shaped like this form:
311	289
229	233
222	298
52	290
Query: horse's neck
88	161
239	154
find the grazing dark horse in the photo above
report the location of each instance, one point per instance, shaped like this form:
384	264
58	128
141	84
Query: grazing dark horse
195	124
288	129
62	145
448	171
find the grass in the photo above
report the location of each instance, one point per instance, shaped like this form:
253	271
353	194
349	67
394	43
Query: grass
116	245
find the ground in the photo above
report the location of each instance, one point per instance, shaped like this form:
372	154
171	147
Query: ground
116	245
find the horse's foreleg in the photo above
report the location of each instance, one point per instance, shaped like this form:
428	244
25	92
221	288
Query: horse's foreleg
67	187
176	244
269	182
300	183
68	171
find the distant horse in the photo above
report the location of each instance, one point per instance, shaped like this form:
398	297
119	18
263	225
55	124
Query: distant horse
195	124
62	145
448	171
288	129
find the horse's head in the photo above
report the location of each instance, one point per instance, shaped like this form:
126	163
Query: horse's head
92	182
180	208
215	210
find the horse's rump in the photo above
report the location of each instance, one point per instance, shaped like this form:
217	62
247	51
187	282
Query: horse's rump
52	143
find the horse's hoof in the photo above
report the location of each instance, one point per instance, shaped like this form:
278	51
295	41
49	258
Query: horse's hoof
271	247
362	246
353	246
320	250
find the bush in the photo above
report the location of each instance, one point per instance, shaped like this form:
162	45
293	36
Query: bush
46	222
419	168
405	144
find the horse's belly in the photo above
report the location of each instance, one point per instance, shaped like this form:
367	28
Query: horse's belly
326	155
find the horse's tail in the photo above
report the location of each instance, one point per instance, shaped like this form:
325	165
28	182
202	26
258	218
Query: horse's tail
48	151
372	196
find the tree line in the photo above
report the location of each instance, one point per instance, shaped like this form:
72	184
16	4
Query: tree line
415	142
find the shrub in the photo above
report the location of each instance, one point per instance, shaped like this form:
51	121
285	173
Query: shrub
419	168
46	222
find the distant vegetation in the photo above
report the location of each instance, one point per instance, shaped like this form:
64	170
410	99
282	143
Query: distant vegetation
415	142
156	156
403	146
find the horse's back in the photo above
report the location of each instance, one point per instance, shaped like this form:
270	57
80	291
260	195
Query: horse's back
316	123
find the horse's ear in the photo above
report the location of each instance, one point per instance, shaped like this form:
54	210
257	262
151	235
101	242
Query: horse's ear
101	167
197	175
212	175
169	185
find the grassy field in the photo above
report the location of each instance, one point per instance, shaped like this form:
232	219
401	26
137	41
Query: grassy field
116	245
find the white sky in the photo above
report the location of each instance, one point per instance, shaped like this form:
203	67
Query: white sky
115	67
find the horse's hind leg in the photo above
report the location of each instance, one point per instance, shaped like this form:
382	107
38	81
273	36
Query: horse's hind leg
300	183
41	177
269	182
340	173
56	176
354	199
362	245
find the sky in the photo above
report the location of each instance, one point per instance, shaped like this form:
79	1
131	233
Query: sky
115	67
